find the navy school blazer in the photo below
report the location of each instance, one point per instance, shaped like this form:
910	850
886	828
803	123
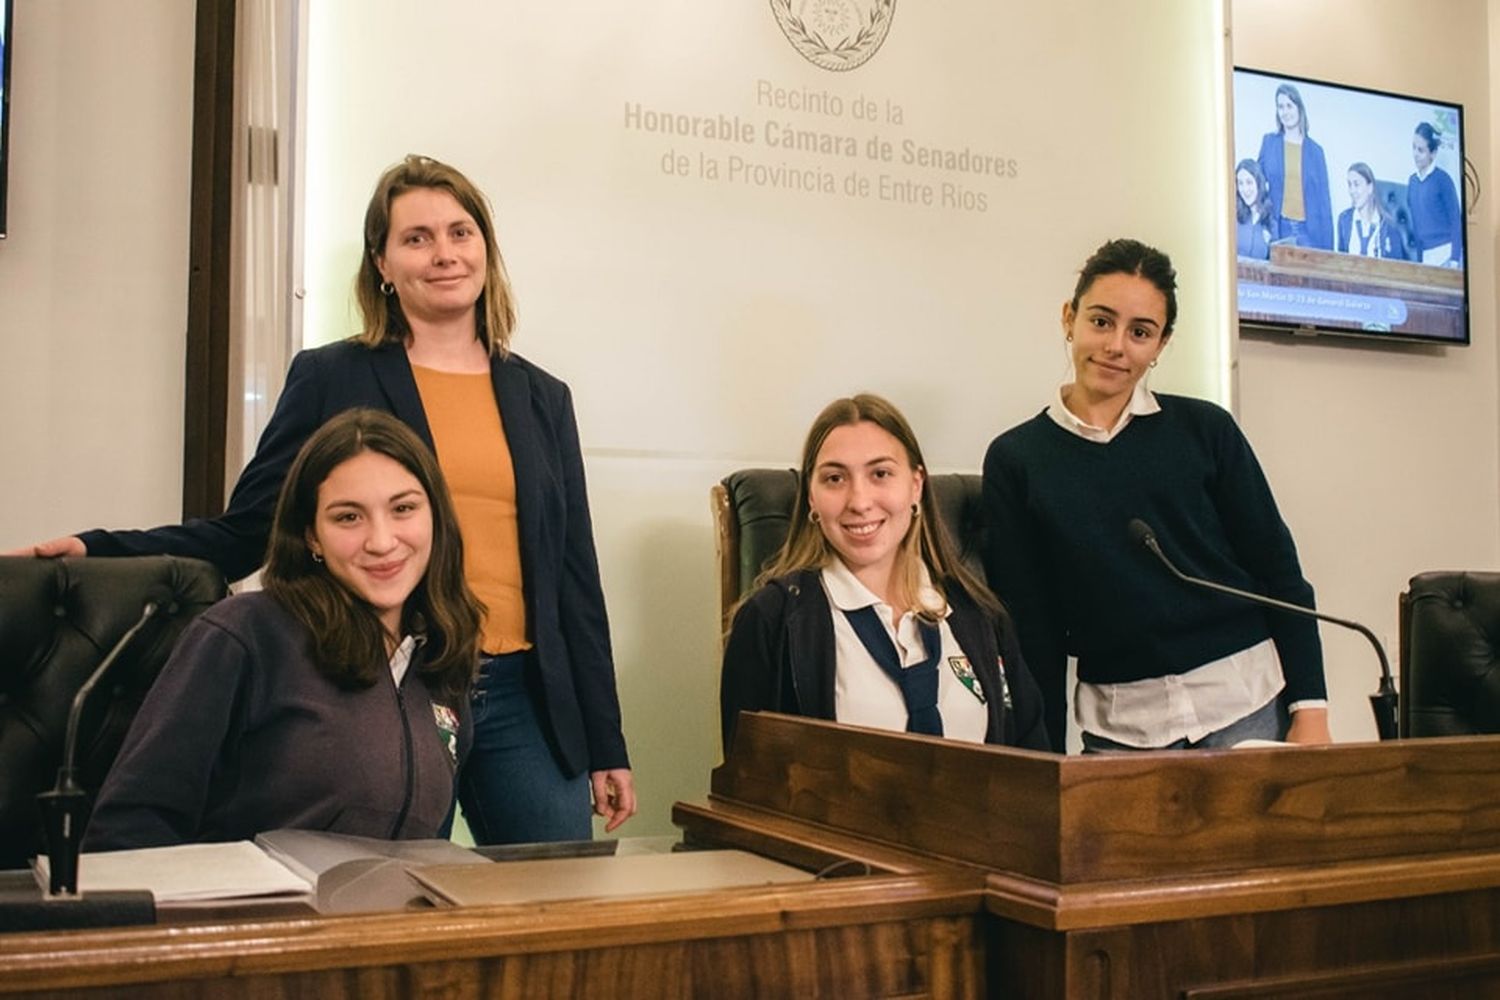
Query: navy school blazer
565	614
781	658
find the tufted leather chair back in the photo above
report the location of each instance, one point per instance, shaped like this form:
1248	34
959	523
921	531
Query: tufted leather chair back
1450	654
752	512
58	619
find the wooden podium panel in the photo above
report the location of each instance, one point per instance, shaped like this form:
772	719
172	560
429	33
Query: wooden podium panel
1164	874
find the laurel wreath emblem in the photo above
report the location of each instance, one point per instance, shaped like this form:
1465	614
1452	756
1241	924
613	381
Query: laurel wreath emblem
844	54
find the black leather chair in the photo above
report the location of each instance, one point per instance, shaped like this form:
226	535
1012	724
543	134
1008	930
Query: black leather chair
58	619
752	512
1450	654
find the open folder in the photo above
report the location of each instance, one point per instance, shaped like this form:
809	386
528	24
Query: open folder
337	873
592	877
358	874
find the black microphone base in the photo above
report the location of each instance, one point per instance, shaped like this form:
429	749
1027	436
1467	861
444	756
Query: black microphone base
1383	703
28	909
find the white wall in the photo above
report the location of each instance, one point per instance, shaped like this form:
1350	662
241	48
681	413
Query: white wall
703	323
93	276
1384	458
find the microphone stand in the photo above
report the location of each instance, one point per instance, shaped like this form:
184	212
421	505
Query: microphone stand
65	808
1382	702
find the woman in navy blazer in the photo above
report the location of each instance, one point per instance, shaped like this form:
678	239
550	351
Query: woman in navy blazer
432	289
1315	228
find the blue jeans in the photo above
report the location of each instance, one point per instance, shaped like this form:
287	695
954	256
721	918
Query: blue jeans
511	787
1296	228
1270	722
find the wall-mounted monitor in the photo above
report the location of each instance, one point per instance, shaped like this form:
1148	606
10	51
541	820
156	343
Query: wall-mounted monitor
1349	211
6	19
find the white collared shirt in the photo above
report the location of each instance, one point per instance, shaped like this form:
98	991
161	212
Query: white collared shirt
1157	711
1142	404
401	658
862	693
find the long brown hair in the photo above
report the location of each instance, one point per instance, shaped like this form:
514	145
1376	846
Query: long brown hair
384	320
350	643
927	539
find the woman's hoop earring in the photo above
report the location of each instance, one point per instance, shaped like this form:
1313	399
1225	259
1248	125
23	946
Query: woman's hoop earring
387	289
916	511
1153	362
317	557
814	517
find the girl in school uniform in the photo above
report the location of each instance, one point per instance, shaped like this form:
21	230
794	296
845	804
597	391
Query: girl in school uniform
866	616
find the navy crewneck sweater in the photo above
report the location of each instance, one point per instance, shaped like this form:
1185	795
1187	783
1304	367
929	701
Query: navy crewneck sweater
1059	553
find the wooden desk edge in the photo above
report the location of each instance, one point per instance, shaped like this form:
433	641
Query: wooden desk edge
1087	905
72	959
1111	904
723	822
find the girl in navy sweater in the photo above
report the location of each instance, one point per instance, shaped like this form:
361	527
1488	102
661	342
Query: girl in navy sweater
1160	664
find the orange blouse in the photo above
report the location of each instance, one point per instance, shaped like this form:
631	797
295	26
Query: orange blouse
474	455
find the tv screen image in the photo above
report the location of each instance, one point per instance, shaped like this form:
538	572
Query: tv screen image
1349	210
5	56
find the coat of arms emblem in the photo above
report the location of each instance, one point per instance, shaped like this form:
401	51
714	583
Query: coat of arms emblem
836	35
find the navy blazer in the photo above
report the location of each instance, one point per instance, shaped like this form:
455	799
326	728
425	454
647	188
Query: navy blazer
565	615
781	658
1316	200
1392	242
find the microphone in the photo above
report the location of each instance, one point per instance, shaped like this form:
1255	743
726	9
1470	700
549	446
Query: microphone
65	808
1382	702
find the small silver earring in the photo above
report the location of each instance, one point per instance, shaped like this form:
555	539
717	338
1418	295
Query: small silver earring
1153	362
317	557
1070	338
387	289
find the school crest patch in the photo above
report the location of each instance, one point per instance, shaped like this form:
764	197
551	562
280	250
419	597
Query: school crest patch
965	674
447	724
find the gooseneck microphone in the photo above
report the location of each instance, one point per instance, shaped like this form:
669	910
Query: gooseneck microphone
65	808
1382	702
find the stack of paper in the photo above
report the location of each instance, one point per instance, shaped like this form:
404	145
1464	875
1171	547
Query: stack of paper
185	872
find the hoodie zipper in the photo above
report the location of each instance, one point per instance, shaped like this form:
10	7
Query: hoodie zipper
406	760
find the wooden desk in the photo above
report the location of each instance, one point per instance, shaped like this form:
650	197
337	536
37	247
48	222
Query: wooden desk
903	932
1366	870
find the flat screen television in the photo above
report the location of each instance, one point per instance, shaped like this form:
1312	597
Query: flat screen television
1349	211
5	56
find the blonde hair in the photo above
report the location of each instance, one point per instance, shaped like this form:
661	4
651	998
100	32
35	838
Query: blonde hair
384	320
926	541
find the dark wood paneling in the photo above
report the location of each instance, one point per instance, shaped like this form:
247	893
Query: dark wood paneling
206	401
1380	948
